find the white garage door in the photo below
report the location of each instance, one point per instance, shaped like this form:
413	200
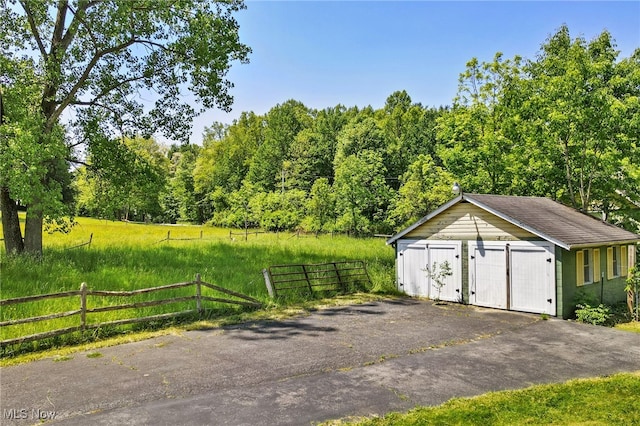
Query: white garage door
488	274
412	259
532	279
416	260
528	285
439	254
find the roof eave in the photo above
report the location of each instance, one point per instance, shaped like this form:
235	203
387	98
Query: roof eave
602	243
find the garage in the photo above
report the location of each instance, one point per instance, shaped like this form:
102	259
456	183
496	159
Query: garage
527	254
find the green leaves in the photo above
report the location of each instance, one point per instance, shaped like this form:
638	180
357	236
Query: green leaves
362	195
563	125
581	110
425	187
129	184
98	62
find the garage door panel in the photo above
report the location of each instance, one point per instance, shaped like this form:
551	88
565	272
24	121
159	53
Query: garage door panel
532	285
452	289
414	279
489	277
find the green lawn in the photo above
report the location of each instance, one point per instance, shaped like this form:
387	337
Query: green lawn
633	326
607	401
128	256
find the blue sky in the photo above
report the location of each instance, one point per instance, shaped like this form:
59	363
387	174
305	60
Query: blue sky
356	53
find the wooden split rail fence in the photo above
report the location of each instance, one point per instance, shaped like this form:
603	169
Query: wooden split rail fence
84	311
87	244
169	238
245	234
310	278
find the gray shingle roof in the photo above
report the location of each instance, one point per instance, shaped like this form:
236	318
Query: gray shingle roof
550	220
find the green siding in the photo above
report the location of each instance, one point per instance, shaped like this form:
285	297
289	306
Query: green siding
560	280
605	291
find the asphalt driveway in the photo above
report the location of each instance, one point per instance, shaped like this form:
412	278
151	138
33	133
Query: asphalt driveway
347	361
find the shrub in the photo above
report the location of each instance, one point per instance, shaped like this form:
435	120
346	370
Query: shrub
596	315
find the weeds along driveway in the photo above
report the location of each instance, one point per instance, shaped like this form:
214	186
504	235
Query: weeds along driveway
356	360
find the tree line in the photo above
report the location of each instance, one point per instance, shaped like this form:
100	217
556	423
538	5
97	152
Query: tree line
564	125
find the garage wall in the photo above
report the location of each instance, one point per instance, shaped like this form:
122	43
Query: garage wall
561	299
465	221
609	292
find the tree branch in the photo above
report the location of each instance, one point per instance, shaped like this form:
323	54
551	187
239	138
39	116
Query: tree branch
64	103
82	163
58	28
78	18
73	145
120	118
34	28
155	44
106	91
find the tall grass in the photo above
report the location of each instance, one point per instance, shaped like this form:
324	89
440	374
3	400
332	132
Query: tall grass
127	256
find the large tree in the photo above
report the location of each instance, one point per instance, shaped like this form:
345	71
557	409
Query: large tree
314	148
478	135
425	186
362	194
181	188
127	187
272	160
224	160
100	58
582	112
409	131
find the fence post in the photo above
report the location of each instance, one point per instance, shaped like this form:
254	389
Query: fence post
90	239
83	305
198	295
201	234
342	284
267	281
168	235
306	277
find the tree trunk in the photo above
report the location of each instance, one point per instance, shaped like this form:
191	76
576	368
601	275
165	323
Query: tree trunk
10	223
33	231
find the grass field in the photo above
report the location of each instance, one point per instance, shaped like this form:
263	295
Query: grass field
128	256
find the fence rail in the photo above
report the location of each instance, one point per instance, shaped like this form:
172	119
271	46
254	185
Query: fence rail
170	238
88	243
244	234
309	278
83	293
